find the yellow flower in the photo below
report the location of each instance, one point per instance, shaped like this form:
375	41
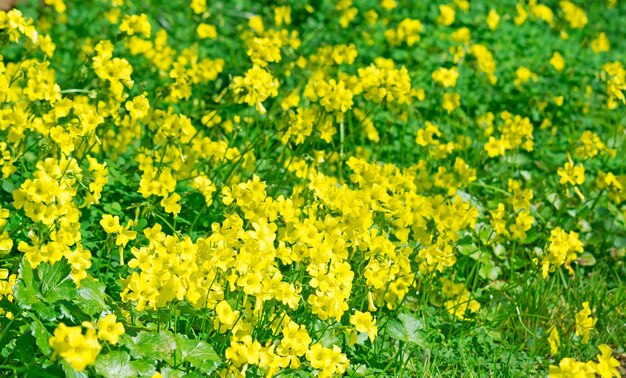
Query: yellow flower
282	15
110	223
125	235
109	329
364	322
255	87
607	366
446	77
295	341
554	340
451	101
388	4
522	75
562	249
226	315
570	368
446	15
136	24
572	174
170	204
584	322
574	14
78	349
493	19
600	44
330	362
557	61
494	147
206	31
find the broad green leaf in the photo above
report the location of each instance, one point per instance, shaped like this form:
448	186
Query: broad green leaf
151	345
92	297
8	186
406	329
25	291
143	368
200	354
41	335
27	296
586	259
489	271
56	283
114	364
168	372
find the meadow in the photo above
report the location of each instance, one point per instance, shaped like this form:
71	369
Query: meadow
298	188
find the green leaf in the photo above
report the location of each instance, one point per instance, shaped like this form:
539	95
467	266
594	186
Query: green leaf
56	283
489	271
168	372
150	345
143	368
92	297
115	364
8	186
41	335
197	352
25	291
27	296
407	329
586	259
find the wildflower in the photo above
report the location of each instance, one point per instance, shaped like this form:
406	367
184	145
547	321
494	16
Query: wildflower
388	4
329	362
562	249
523	75
225	314
601	43
255	87
446	77
574	15
282	15
110	330
554	340
446	15
110	223
206	31
557	61
243	351
607	366
569	367
364	322
494	147
295	343
136	24
125	234
584	322
170	204
572	174
451	101
78	349
493	19
428	136
336	97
